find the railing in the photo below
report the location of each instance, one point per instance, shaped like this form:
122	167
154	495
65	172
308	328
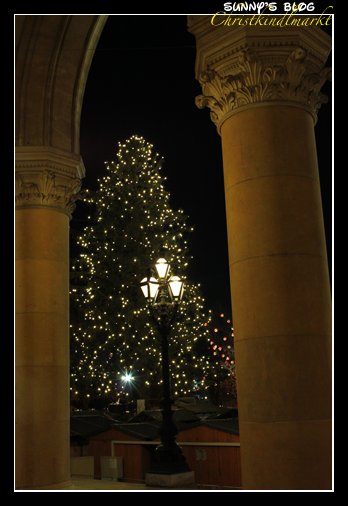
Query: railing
180	443
216	463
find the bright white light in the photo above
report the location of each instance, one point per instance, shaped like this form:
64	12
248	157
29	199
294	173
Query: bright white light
176	286
149	288
127	378
162	268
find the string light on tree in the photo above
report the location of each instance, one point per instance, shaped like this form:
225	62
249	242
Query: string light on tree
223	371
131	219
127	378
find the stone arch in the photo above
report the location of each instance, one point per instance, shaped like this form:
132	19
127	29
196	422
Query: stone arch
53	57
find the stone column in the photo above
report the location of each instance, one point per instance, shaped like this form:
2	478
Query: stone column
263	90
47	183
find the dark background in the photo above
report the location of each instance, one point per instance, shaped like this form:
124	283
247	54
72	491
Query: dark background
142	81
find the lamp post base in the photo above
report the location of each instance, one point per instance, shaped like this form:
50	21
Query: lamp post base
168	459
170	480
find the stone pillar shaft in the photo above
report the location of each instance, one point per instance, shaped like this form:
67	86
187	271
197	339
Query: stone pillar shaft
47	182
281	298
263	90
42	348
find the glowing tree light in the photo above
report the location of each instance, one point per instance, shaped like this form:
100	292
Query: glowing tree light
222	376
130	220
127	378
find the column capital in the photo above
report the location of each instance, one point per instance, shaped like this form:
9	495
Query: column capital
47	177
245	67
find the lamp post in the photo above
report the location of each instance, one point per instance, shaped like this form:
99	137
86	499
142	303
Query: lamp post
163	295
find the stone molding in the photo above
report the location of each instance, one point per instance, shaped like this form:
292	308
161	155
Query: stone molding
240	67
255	82
47	177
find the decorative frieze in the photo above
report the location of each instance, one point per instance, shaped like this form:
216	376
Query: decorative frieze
241	67
47	179
42	189
257	83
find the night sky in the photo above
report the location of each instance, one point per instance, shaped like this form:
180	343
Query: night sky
142	81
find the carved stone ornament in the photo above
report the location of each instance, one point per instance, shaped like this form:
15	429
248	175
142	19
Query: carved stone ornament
257	83
45	188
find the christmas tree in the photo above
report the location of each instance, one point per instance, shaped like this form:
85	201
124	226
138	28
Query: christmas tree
221	378
115	352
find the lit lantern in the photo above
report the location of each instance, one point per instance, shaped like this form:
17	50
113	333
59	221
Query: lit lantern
176	288
162	268
149	287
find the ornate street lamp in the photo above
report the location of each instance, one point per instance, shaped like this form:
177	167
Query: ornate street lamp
163	296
